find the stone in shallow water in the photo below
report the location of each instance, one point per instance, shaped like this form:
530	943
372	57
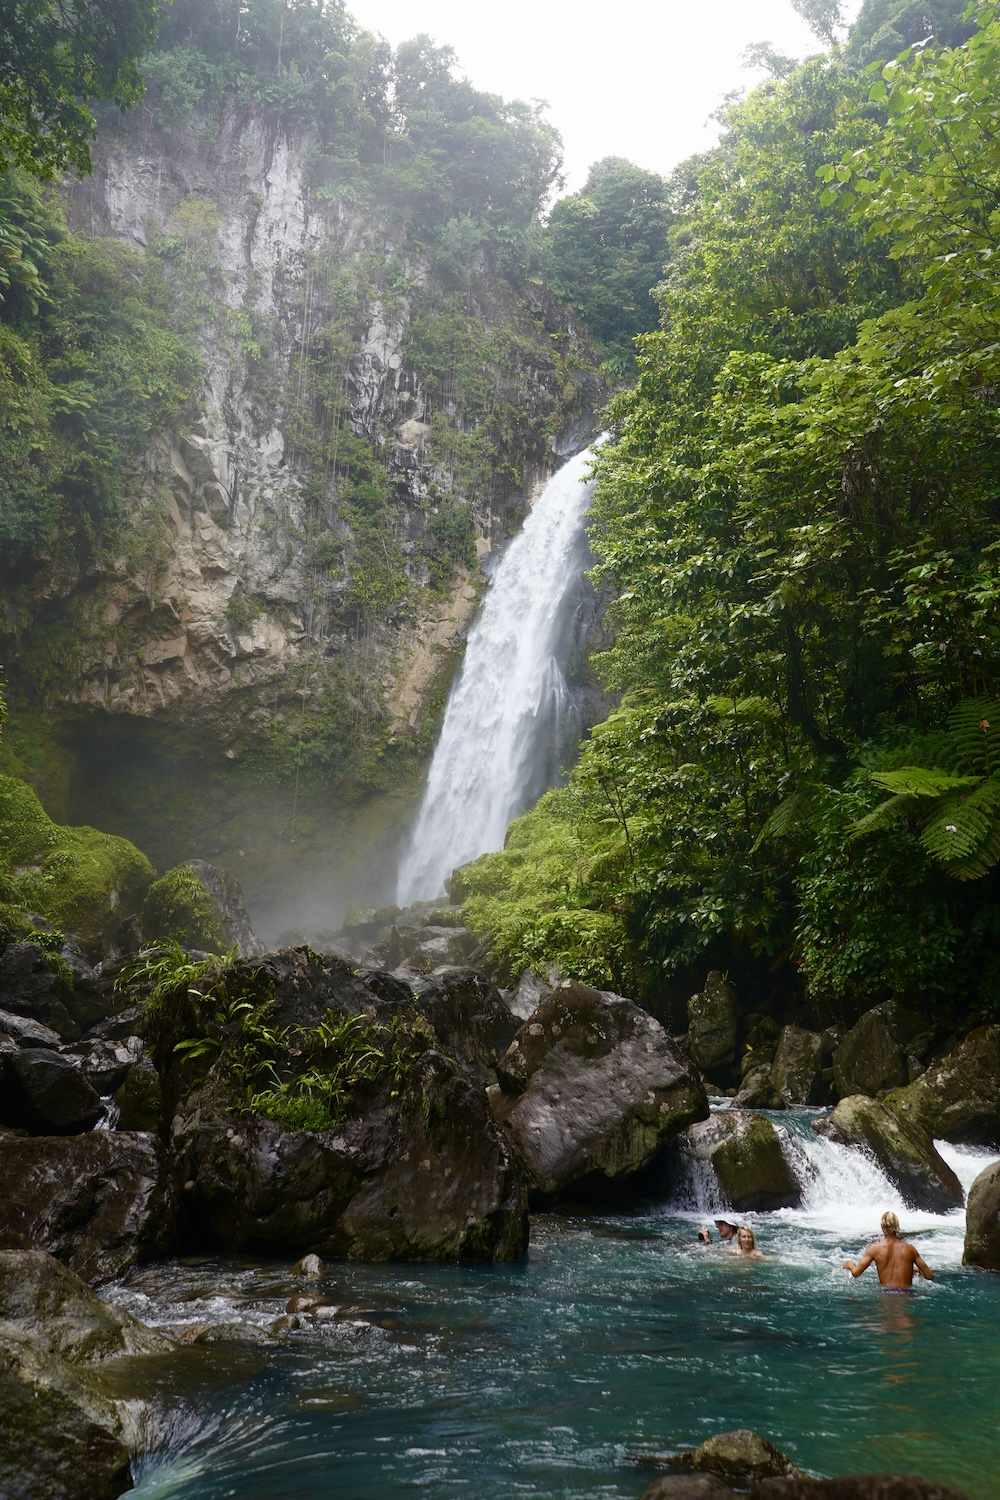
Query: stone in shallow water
592	1084
52	1446
982	1221
855	1487
742	1457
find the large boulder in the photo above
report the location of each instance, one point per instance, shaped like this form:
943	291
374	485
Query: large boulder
713	1024
745	1152
982	1221
592	1084
34	985
46	1093
100	1202
424	1174
797	1070
65	1435
878	1053
469	1016
687	1487
958	1098
903	1151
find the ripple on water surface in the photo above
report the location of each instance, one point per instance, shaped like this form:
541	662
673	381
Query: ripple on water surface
617	1336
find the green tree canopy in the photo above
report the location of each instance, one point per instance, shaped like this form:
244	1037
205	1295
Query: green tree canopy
55	55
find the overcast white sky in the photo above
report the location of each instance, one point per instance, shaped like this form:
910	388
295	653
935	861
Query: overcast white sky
624	78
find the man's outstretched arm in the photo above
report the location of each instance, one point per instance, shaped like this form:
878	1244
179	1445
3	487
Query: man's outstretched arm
922	1266
859	1267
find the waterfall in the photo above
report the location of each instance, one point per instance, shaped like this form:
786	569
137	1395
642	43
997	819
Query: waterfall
499	744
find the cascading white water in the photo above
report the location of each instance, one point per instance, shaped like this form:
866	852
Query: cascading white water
509	695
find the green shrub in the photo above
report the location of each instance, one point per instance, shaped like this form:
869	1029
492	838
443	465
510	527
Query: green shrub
177	906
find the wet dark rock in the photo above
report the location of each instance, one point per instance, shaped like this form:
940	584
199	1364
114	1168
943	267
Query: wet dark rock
424	1176
30	986
713	1024
468	1014
757	1091
741	1457
60	1448
797	1070
745	1153
532	989
55	1334
855	1487
107	1063
125	1023
226	898
303	985
901	1148
100	1202
592	1084
982	1221
46	1303
687	1487
874	1054
958	1098
139	1097
24	1032
47	1093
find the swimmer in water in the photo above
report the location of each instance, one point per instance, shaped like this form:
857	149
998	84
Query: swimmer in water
895	1260
746	1244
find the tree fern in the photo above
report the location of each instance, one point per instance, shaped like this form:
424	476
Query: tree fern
952	786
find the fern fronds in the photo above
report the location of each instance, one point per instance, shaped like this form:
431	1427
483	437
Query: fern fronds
921	781
887	813
789	817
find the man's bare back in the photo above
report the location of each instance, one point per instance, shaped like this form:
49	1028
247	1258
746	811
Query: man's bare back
894	1259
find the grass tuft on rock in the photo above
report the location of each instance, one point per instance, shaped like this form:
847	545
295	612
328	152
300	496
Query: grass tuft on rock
178	907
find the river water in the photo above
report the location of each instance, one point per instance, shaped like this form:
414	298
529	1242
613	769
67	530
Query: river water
619	1336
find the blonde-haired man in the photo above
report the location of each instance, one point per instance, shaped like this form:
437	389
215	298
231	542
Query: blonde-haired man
895	1260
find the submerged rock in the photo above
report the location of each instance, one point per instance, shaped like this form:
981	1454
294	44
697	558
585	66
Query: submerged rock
874	1055
982	1221
713	1024
742	1457
901	1148
100	1202
426	1175
744	1151
958	1098
593	1084
855	1487
309	1265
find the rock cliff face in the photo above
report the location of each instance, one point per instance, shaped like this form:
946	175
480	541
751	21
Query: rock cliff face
302	546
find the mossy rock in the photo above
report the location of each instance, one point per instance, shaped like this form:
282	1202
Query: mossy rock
178	906
83	881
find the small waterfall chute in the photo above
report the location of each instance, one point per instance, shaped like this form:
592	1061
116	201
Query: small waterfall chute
499	744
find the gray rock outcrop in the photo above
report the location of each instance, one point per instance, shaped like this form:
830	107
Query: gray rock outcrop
982	1221
592	1084
745	1152
958	1098
900	1147
226	898
46	1093
713	1024
881	1052
99	1202
797	1070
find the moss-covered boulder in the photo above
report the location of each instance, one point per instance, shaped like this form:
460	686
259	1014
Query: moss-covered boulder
958	1098
901	1148
178	906
876	1054
745	1153
797	1070
713	1024
982	1221
741	1457
86	883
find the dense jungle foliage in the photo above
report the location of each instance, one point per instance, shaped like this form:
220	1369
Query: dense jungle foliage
798	521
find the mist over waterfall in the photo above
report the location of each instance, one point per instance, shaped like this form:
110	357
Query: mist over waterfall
499	743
